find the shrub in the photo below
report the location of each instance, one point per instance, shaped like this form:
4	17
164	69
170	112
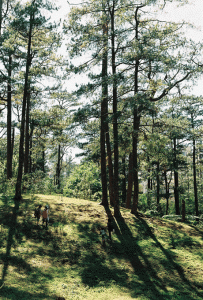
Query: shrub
84	182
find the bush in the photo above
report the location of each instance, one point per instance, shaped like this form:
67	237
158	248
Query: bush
84	182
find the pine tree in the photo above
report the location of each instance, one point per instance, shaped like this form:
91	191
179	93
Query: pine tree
27	21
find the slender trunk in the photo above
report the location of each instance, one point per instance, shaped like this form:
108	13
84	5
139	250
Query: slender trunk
9	116
176	192
110	167
12	142
1	15
130	182
30	148
104	115
115	117
22	127
157	185
123	187
58	167
148	179
27	136
149	185
136	125
135	162
195	174
167	191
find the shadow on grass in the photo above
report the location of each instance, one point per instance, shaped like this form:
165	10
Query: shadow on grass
108	265
97	268
12	221
140	261
14	293
35	276
13	232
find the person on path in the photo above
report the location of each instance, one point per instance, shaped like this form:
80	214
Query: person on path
110	228
104	236
45	215
38	213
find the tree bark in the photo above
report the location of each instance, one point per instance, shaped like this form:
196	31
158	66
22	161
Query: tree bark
9	118
123	185
195	173
104	102
58	167
167	191
22	127
27	135
30	147
130	182
1	15
115	116
136	125
176	184
12	141
157	185
110	167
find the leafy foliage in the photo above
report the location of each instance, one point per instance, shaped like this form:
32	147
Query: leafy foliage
84	182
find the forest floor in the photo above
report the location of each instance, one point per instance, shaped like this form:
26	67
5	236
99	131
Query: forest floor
149	258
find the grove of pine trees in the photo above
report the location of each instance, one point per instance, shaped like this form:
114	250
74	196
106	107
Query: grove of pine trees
131	111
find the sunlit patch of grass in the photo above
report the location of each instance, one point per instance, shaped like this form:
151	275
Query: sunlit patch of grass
148	259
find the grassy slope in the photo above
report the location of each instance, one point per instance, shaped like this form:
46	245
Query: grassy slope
148	259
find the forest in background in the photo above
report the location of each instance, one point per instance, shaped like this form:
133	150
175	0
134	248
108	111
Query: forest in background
132	112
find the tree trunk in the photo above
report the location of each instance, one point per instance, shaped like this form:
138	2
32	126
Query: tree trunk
176	185
130	182
157	185
1	15
167	192
136	125
110	167
30	147
58	167
12	142
27	136
195	177
9	116
115	117
22	127
149	179
135	162
103	115
123	186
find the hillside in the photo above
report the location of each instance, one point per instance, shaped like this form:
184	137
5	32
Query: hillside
148	258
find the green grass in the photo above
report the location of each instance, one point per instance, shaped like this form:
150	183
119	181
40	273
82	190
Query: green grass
149	258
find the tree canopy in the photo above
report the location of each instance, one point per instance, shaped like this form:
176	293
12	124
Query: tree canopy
114	80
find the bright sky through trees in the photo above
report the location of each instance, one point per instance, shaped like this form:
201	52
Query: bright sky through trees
191	13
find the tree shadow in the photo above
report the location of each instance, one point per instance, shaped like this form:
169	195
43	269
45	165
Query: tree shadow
149	282
97	268
198	230
155	286
14	293
13	232
12	221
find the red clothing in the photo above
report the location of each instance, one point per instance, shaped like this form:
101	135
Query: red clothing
45	214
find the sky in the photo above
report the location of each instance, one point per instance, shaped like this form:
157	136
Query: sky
192	13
